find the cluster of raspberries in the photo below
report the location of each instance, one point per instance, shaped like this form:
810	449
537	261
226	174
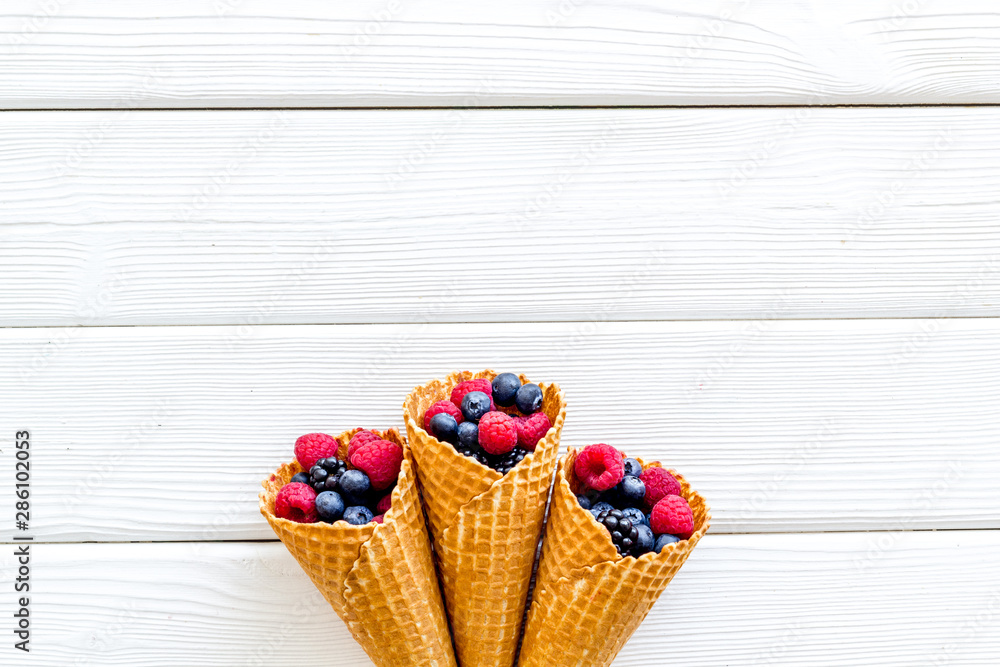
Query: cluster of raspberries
357	491
642	509
496	423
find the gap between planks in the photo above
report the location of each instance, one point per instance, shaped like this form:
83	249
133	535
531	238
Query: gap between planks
526	107
265	541
487	322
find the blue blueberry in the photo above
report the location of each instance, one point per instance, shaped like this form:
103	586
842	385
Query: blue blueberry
528	398
664	540
300	478
584	502
468	435
632	468
599	507
505	388
636	516
354	484
475	405
630	492
644	542
358	515
444	427
613	496
329	506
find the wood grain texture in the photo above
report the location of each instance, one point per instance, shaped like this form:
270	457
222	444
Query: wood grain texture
164	433
255	53
809	599
391	216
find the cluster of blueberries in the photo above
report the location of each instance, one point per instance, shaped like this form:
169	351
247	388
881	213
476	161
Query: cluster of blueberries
341	493
507	392
620	511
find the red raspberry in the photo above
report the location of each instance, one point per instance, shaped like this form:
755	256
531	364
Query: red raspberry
380	460
378	518
659	484
312	447
296	502
497	433
384	504
672	515
439	407
463	388
532	429
360	439
599	466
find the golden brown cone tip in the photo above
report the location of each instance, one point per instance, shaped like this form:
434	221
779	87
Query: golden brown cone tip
588	599
379	578
485	526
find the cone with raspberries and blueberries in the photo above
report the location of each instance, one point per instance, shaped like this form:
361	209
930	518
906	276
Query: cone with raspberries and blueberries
618	531
348	509
485	447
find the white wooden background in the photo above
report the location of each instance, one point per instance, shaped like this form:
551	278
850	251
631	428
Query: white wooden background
755	239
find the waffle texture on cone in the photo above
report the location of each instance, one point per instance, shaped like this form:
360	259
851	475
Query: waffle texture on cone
379	578
588	599
485	525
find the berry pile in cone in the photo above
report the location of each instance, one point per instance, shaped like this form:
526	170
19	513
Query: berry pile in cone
358	491
496	423
642	510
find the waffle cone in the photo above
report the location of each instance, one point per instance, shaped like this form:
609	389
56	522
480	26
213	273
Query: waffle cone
485	526
379	578
588	600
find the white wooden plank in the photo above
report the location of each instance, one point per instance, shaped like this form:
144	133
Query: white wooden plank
810	599
165	433
239	53
375	216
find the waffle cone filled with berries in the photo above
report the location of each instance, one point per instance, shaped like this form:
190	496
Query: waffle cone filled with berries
378	577
588	597
485	522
